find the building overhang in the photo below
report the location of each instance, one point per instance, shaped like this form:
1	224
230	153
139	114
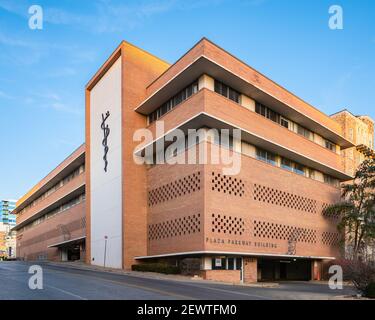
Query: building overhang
67	242
70	196
204	65
206	120
231	253
76	159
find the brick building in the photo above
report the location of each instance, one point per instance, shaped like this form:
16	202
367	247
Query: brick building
51	221
360	131
264	222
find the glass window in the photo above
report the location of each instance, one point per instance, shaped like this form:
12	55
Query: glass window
174	101
286	164
284	123
260	109
330	180
230	263
227	91
271	158
329	145
218	263
299	169
261	155
266	156
238	263
305	132
272	116
234	95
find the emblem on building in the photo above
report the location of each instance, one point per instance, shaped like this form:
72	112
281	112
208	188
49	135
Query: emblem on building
292	242
106	132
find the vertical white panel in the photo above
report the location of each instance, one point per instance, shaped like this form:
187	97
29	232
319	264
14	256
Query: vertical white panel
106	187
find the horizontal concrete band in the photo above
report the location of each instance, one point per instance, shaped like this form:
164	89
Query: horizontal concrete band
189	253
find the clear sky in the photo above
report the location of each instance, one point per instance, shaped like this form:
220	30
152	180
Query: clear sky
43	72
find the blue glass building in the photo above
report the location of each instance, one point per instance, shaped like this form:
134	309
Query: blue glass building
6	207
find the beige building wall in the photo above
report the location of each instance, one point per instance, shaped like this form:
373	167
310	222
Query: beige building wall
360	131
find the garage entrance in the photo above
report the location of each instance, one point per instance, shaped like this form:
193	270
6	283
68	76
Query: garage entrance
284	269
71	250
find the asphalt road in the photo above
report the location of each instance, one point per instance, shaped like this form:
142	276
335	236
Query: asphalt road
64	283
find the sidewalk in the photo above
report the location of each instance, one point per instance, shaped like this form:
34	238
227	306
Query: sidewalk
153	275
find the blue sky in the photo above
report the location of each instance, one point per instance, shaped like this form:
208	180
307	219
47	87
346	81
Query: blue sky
43	72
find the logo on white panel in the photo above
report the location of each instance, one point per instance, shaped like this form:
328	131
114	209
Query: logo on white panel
106	132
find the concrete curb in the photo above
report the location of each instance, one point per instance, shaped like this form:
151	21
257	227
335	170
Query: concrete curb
156	276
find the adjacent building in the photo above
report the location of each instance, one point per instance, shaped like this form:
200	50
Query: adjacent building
122	207
7	221
51	216
6	215
360	131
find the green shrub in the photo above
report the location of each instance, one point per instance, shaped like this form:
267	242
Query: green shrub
370	291
156	267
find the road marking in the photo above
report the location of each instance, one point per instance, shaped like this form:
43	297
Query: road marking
66	292
232	292
173	294
129	285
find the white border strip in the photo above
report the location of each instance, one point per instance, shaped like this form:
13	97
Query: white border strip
233	253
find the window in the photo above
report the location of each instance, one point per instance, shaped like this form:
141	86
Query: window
310	173
330	180
299	169
230	263
266	112
266	156
284	123
286	164
174	101
260	109
238	263
218	263
272	115
305	132
227	91
329	145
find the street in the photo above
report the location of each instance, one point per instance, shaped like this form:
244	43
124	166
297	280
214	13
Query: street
64	283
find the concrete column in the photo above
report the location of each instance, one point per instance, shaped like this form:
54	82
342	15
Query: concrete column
319	176
248	149
247	102
207	82
250	272
237	146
